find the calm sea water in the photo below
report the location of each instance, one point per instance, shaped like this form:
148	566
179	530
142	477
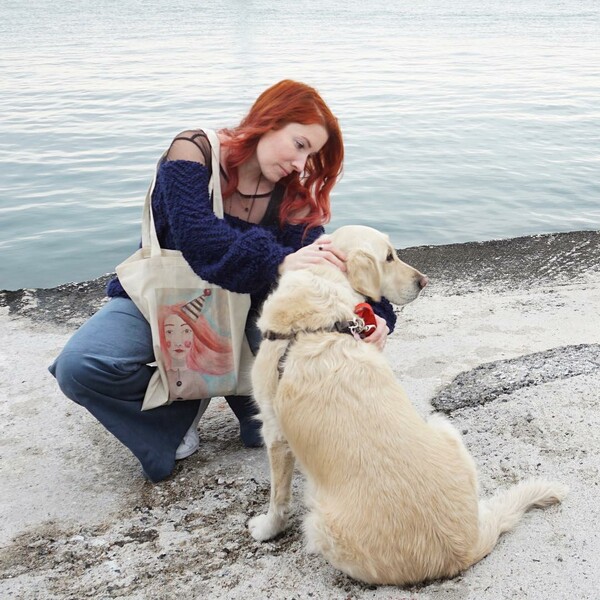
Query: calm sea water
465	120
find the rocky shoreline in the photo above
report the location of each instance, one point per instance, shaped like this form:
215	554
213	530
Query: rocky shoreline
455	268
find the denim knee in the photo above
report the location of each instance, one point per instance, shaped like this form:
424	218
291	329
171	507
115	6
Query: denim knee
89	378
71	371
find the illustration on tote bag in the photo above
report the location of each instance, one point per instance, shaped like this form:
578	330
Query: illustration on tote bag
196	346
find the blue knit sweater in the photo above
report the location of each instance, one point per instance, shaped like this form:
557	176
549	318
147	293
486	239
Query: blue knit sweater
238	256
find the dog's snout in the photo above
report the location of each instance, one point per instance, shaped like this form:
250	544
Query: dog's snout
423	281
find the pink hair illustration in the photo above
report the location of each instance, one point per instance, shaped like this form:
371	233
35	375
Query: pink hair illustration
205	351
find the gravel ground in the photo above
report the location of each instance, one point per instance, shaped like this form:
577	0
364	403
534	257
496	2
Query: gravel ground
505	341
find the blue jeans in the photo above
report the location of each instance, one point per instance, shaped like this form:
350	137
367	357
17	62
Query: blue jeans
104	367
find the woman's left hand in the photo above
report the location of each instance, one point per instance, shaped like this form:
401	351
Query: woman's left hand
379	336
321	251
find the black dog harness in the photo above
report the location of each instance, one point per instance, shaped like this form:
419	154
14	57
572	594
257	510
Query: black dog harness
355	328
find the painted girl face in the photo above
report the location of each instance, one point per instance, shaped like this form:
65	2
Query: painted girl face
281	151
179	337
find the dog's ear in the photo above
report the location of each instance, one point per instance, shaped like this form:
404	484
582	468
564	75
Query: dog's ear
364	273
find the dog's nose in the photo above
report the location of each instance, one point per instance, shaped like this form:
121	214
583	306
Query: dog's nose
423	281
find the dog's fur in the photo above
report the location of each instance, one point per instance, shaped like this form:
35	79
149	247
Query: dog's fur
393	499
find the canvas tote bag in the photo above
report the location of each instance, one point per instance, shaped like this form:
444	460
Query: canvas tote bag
197	327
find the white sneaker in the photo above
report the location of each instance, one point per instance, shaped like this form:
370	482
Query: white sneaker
189	444
191	440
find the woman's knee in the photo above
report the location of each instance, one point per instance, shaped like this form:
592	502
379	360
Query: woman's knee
86	377
107	356
72	372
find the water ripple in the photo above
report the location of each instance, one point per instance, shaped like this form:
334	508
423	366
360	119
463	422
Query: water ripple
462	121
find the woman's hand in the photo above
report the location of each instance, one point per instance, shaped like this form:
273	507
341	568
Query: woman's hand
321	251
379	336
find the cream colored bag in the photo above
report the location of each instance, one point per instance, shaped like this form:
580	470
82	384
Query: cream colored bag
197	327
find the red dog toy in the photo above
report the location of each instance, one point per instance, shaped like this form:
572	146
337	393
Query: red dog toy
365	312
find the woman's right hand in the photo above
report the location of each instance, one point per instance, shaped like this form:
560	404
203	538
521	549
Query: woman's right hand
321	251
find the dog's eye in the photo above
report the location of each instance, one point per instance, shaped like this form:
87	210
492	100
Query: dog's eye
390	257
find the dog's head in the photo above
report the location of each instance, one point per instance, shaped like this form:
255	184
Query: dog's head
373	266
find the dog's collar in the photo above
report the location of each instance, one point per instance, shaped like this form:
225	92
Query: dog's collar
363	325
354	326
357	328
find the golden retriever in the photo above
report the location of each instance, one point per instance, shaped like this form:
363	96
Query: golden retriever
393	499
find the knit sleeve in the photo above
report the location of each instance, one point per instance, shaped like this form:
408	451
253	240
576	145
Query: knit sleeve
385	310
240	261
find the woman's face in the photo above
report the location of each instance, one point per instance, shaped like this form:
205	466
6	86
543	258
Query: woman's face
179	337
282	151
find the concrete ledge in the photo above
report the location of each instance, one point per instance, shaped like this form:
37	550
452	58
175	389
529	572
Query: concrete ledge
453	268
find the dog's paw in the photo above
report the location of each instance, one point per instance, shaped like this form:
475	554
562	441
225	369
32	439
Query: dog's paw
264	527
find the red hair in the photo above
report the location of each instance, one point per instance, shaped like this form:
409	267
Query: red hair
291	102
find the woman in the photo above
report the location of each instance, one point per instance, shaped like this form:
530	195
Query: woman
278	167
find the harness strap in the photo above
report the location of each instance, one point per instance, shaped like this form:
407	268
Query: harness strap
281	361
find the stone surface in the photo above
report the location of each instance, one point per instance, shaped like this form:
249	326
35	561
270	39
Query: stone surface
505	340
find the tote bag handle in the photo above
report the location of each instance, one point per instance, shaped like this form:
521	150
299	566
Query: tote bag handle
149	237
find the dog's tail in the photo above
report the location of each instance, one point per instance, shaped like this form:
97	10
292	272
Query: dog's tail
502	512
